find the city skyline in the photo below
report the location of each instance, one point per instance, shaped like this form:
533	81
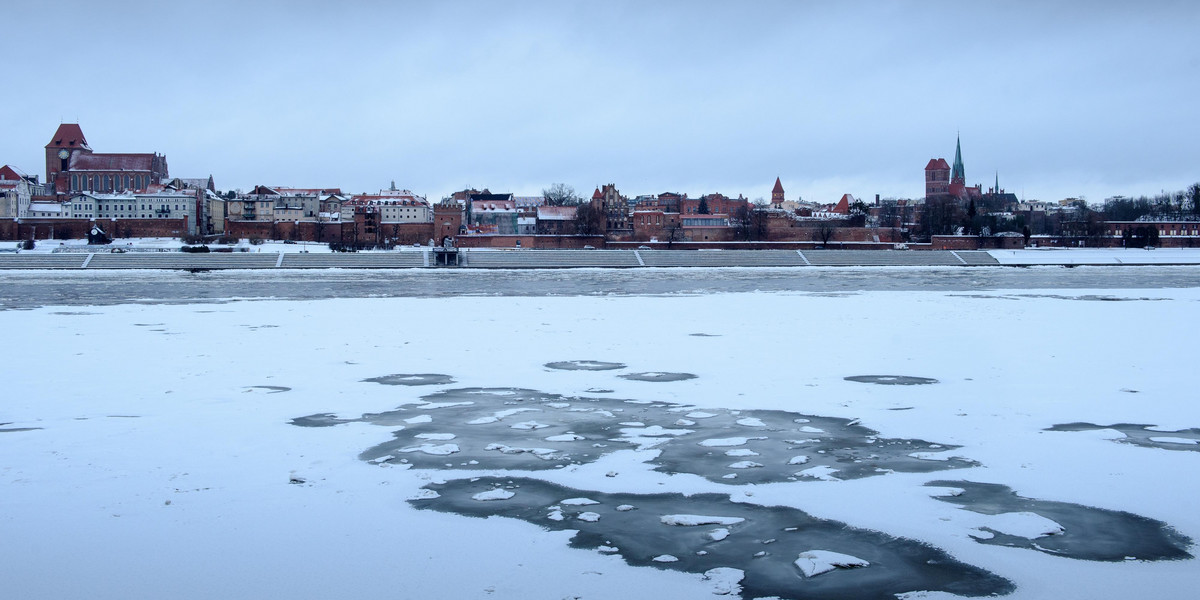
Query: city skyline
690	98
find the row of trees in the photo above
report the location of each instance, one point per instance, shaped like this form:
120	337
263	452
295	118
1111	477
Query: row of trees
1167	205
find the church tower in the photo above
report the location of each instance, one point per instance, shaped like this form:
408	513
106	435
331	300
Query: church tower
777	194
67	143
957	174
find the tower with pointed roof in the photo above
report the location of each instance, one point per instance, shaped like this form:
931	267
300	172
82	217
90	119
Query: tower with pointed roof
957	174
777	194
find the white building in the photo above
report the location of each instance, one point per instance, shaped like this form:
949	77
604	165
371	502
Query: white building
162	204
392	206
16	191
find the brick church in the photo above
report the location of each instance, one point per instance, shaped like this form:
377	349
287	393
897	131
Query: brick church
943	181
71	166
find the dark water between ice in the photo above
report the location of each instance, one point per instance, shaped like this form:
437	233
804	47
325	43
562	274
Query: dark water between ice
525	431
28	289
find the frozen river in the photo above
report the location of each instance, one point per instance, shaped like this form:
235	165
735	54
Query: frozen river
28	289
638	434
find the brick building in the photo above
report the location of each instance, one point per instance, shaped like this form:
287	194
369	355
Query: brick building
556	220
447	221
72	166
937	178
616	209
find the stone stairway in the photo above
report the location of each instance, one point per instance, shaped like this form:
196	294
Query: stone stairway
185	261
498	259
37	260
976	258
354	260
722	258
881	258
549	259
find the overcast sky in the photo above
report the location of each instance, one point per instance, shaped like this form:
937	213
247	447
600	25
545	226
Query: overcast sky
1063	99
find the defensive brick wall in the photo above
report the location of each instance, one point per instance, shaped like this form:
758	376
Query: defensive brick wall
75	229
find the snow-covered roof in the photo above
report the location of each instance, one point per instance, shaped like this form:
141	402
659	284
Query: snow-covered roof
46	207
556	213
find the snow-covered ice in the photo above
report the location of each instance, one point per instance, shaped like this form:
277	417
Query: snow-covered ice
494	494
816	562
105	421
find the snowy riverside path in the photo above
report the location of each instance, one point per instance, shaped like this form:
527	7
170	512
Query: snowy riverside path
162	435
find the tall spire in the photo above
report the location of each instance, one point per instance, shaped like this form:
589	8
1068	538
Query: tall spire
957	175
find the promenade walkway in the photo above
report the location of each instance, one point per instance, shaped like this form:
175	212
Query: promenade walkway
616	259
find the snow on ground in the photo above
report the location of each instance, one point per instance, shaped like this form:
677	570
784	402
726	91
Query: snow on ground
143	453
47	246
1097	256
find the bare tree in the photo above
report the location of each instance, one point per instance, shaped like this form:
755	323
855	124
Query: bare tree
750	222
560	194
824	233
674	231
589	219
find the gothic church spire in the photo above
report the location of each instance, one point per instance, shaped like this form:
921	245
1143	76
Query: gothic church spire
957	175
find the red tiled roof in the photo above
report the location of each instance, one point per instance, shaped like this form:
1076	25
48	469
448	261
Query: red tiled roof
9	173
69	135
937	163
597	195
778	189
112	162
843	205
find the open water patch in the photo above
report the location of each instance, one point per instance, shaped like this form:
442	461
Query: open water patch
1146	436
584	365
1063	528
768	544
891	379
412	379
657	376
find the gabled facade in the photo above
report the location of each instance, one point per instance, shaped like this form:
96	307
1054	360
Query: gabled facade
616	208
